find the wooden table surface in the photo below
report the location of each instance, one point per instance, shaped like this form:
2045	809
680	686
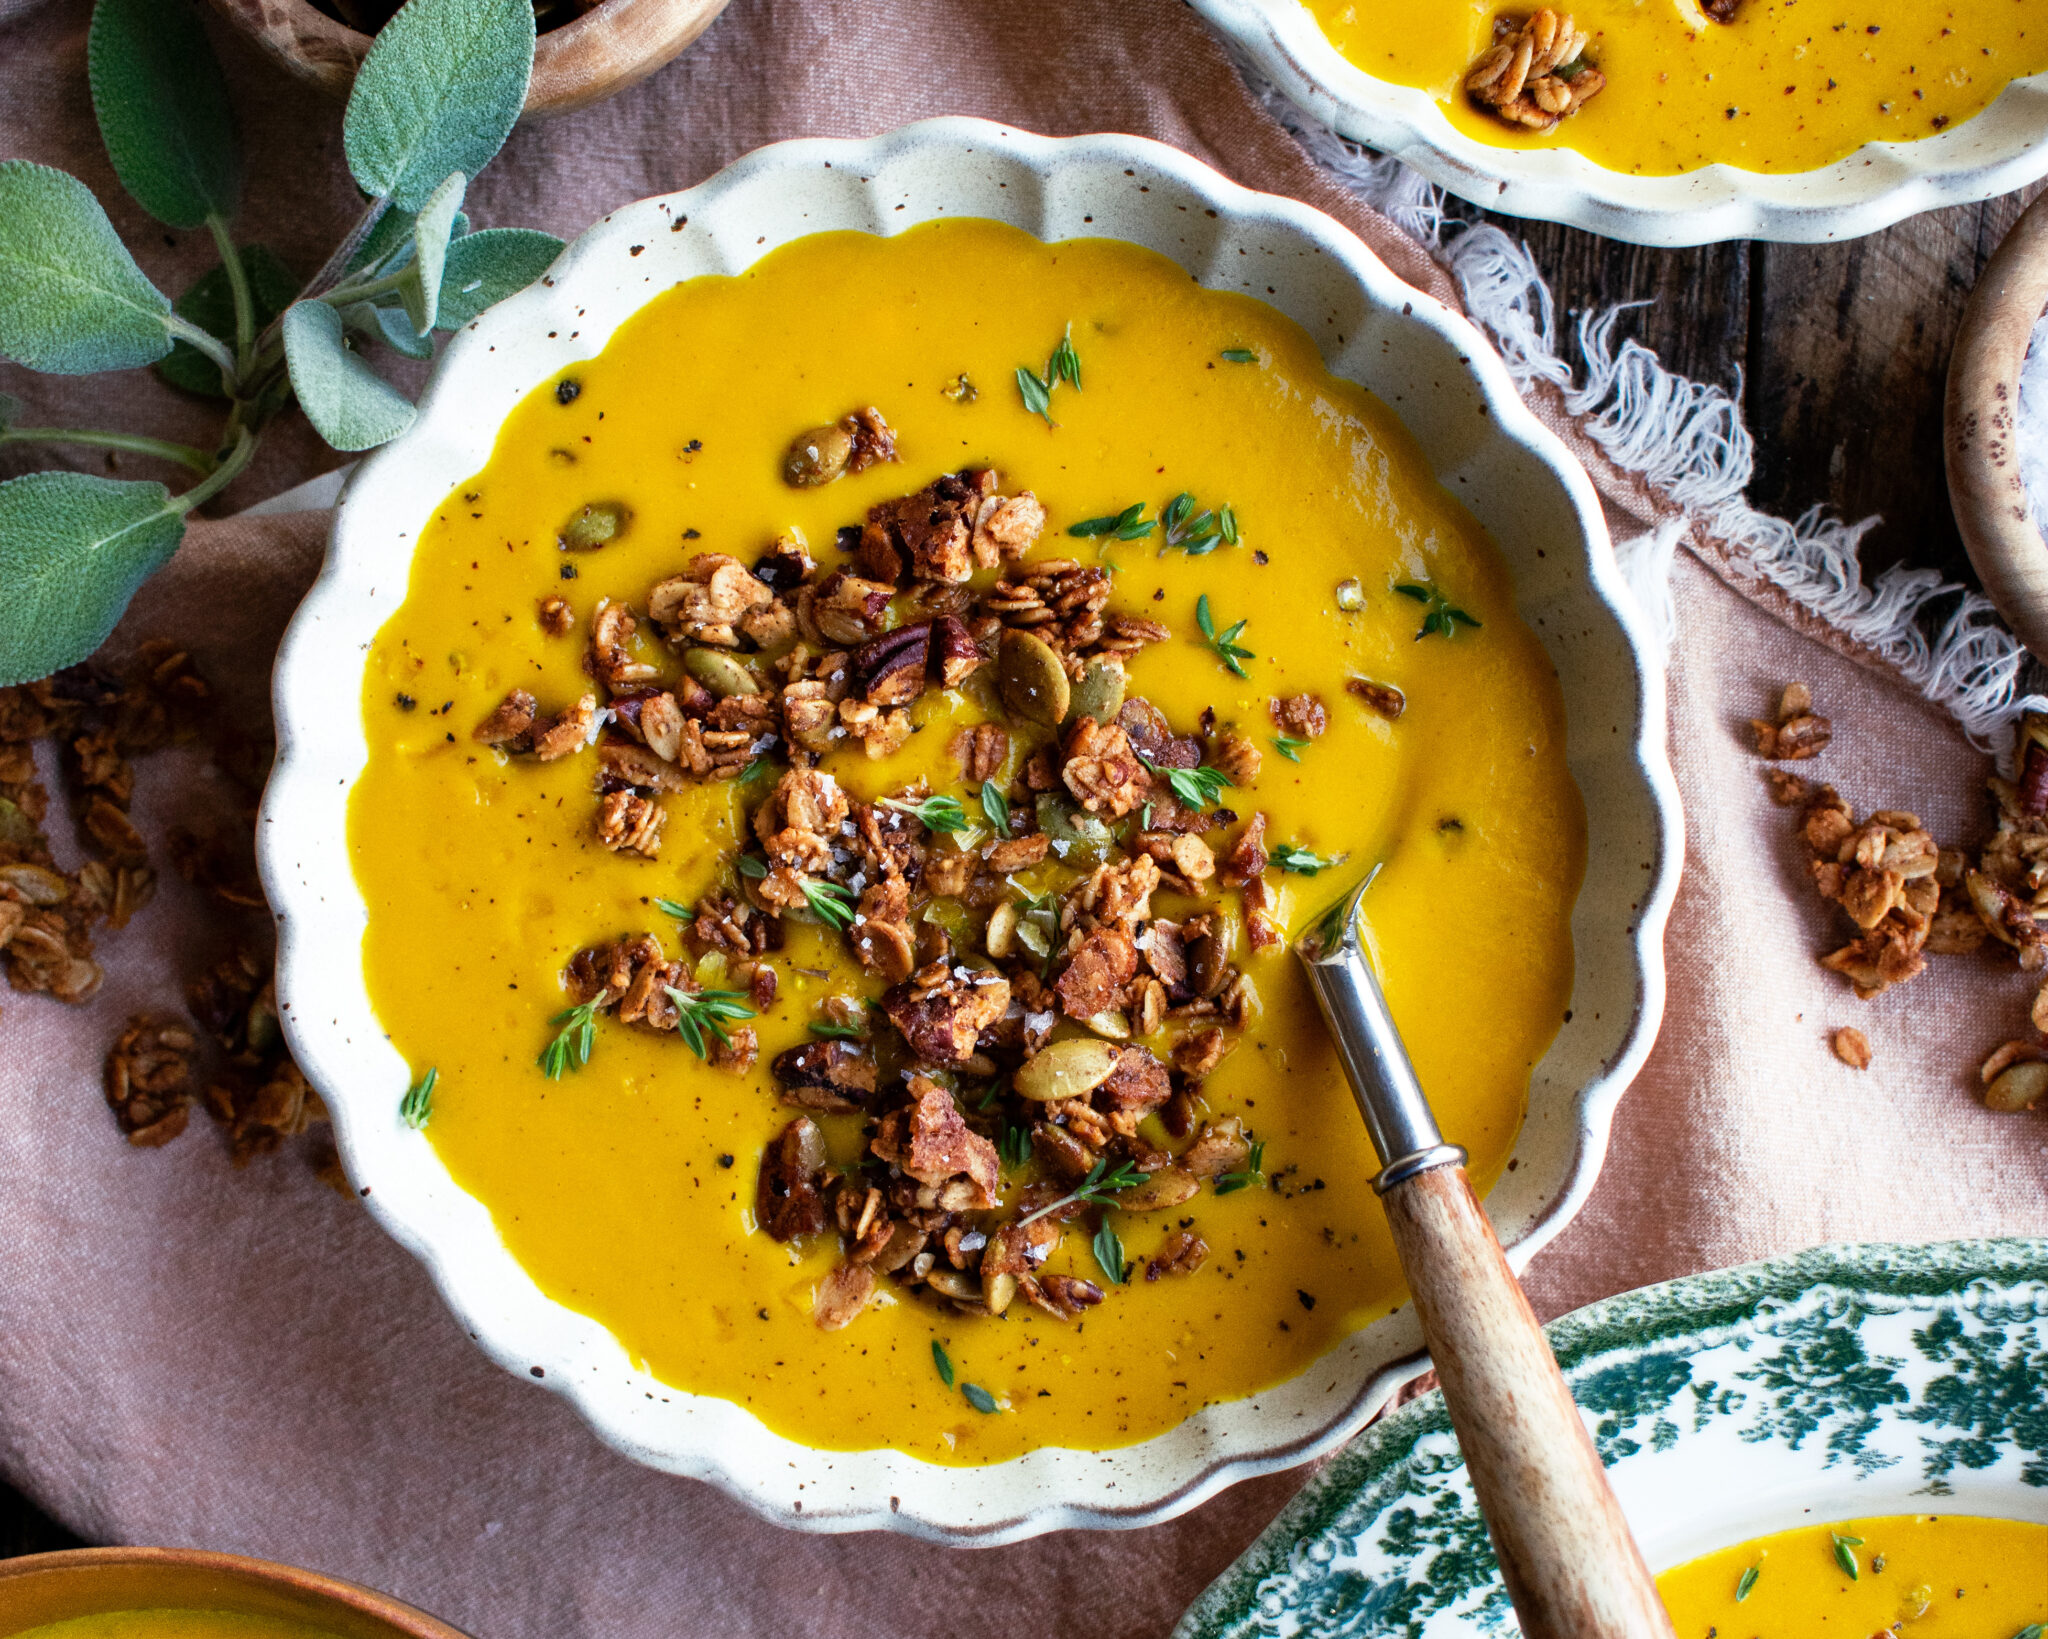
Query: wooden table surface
1840	353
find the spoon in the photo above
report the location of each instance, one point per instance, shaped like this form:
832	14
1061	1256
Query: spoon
1566	1554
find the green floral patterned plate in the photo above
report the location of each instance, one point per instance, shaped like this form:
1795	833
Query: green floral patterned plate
1843	1382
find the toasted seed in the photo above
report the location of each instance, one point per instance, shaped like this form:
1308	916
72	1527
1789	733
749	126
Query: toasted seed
1100	693
2019	1088
997	1291
720	673
1350	596
952	1283
1067	1069
1852	1047
1033	683
1001	937
817	457
593	525
1168	1187
1112	1023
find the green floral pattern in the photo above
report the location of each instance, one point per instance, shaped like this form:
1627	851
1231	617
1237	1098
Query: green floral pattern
1869	1361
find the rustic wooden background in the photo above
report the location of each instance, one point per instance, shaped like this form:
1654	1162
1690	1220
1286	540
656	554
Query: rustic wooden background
1840	353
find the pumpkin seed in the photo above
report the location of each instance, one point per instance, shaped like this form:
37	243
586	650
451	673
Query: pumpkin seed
1168	1187
596	524
1112	1022
1100	693
997	1291
720	673
817	457
1073	1068
955	1284
1033	683
2019	1087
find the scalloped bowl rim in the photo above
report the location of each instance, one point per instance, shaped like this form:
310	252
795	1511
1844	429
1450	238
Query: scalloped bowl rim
2003	147
735	217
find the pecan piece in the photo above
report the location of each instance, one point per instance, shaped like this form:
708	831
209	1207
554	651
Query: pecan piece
941	1011
842	1295
1181	1253
837	1077
1299	715
1139	1083
1064	1297
890	670
511	724
1095	980
628	821
788	1201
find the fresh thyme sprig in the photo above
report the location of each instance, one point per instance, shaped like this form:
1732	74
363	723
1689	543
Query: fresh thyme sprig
1291	856
936	813
1746	1582
1196	533
1063	366
675	908
837	1032
1225	643
417	1107
700	1010
1289	746
1845	1554
830	903
1254	1171
996	806
1195	787
1442	616
1109	1253
1015	1145
573	1041
1131	524
1102	1182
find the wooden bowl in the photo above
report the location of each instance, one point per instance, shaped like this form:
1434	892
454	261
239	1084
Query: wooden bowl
1985	485
618	44
45	1588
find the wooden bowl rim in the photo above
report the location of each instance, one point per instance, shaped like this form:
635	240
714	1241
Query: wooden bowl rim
1980	432
395	1613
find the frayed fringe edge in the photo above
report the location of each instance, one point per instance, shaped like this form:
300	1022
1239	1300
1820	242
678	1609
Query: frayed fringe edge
1687	441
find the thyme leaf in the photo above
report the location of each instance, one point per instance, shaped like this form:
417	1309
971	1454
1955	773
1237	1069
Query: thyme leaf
1195	787
1101	1183
1064	366
943	1361
836	1032
830	903
749	865
1254	1172
1746	1582
1131	524
1109	1253
1065	363
573	1041
670	907
1289	747
935	813
996	806
1291	856
1225	643
1240	355
417	1107
980	1399
1037	394
1015	1146
700	1010
1441	616
1845	1554
1196	533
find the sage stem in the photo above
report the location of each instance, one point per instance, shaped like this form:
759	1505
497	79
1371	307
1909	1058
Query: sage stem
188	332
223	475
238	288
95	438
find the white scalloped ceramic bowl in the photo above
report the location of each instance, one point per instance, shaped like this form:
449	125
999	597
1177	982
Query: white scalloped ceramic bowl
1438	375
2003	148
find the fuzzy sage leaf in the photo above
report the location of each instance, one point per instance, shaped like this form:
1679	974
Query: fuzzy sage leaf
439	91
72	300
163	111
388	325
349	404
484	268
421	289
72	551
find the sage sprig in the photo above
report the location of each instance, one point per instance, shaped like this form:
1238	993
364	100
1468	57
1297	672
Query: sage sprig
432	104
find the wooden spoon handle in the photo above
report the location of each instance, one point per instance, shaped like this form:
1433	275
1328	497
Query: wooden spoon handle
1570	1564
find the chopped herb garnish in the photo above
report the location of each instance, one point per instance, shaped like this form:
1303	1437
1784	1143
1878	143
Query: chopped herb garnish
1065	363
1037	394
943	1361
417	1107
2033	1630
830	903
979	1398
573	1040
700	1010
1745	1582
1109	1253
1289	746
1240	355
837	1032
1015	1147
1195	787
1196	533
1225	643
1254	1172
1131	524
1291	856
669	907
1442	617
936	813
1101	1183
996	806
1845	1554
751	866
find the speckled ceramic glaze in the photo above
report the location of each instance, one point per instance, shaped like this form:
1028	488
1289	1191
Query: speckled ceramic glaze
1439	377
1841	1383
2003	148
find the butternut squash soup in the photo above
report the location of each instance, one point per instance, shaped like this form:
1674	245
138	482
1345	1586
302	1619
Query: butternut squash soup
1660	87
175	1624
1915	1576
840	786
